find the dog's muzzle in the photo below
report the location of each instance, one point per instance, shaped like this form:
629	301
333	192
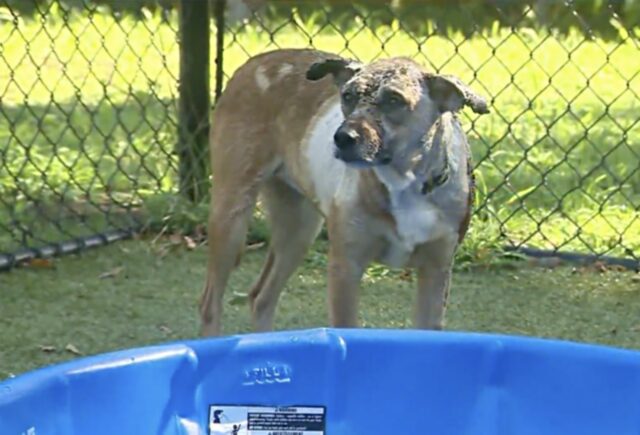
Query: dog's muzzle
345	137
351	148
346	141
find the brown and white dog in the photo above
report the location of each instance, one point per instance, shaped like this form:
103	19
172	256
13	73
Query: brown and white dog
375	150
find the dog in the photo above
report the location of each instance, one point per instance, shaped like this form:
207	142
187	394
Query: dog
374	150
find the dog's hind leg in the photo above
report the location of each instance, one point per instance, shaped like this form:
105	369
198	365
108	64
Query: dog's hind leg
294	223
228	224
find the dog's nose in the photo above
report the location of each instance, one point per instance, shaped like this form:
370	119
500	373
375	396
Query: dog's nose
345	137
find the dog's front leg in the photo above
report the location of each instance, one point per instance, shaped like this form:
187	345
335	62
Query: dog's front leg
350	251
344	291
433	289
434	280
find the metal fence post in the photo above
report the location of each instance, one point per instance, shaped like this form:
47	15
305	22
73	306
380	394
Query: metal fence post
194	99
218	12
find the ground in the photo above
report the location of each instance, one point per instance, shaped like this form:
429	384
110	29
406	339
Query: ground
141	292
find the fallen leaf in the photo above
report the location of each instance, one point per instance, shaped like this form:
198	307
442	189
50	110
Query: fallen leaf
600	266
41	263
255	246
406	275
165	329
71	348
238	298
191	244
618	268
112	273
47	349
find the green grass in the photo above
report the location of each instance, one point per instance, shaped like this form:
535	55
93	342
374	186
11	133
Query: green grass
88	112
153	294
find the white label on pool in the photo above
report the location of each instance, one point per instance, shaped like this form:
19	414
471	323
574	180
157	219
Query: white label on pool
266	420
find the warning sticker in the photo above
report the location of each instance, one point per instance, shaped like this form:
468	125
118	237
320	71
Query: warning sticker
264	420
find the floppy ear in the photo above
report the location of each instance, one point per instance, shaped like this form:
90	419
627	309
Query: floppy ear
341	69
451	94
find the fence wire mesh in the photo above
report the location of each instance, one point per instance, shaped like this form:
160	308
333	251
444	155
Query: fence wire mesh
91	149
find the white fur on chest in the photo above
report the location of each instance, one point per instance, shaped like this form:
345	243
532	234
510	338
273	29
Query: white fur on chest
330	178
417	220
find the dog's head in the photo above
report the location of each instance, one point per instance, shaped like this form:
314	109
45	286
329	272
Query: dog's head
389	106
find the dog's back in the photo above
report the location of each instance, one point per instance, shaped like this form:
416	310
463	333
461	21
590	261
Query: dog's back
245	131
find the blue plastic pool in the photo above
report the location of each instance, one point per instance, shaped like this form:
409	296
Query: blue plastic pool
335	382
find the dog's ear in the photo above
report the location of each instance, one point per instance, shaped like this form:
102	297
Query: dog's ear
341	69
451	94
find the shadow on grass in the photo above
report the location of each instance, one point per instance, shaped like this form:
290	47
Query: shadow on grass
73	169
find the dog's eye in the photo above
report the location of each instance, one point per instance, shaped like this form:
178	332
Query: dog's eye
393	101
349	98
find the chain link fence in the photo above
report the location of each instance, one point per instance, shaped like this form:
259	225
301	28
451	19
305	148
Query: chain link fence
104	108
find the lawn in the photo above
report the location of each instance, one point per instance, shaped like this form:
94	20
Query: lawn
142	292
88	121
87	137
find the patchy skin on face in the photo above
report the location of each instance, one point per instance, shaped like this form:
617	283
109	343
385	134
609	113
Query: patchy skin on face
401	75
387	130
369	131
